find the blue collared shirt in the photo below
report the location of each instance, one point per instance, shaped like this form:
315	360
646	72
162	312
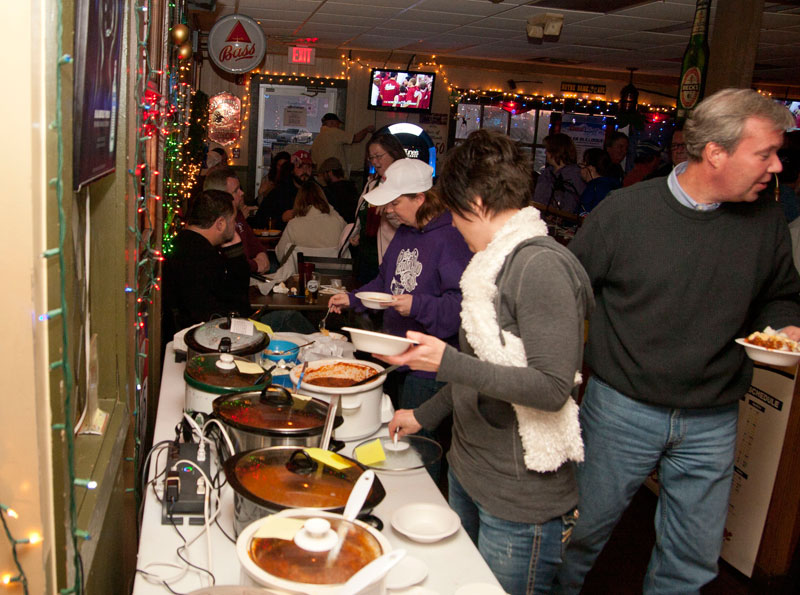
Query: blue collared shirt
680	194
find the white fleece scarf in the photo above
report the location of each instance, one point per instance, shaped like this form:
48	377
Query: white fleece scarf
549	438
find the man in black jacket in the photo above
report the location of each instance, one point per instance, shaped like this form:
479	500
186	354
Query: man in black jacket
207	274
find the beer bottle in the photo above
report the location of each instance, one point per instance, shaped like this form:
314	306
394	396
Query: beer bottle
695	63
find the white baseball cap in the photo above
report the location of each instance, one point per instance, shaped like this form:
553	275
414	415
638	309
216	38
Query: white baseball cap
404	176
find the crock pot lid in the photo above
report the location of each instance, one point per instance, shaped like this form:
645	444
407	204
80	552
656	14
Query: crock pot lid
273	410
209	335
203	373
263	476
285	559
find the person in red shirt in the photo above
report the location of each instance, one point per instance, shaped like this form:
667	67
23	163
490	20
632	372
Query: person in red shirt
424	93
390	89
411	92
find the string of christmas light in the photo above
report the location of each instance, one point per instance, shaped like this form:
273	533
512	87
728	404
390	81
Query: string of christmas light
516	102
32	539
178	178
146	188
64	365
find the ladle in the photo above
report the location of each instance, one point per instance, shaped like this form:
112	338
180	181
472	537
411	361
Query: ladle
371	573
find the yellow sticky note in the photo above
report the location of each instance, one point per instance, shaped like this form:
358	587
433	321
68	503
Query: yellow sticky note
275	527
260	326
326	457
370	453
246	367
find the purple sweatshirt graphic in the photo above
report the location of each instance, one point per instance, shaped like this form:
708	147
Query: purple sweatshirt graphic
428	264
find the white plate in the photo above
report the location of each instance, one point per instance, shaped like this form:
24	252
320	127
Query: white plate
408	571
375	300
425	522
775	357
380	343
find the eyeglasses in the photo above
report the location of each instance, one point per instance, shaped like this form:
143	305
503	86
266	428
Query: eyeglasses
376	157
678	146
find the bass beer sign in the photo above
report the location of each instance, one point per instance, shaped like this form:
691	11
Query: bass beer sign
237	44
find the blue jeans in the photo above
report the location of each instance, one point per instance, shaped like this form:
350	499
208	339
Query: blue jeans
523	556
693	451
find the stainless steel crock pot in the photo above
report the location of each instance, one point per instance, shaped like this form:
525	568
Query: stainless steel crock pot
272	417
210	375
215	336
272	479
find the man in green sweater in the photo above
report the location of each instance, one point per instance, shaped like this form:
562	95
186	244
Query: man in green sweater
681	266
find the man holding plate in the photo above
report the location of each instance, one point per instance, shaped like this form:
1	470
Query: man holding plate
681	267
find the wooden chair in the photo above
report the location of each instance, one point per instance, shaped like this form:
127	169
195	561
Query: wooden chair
330	265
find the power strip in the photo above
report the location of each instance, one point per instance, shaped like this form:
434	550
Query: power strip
184	487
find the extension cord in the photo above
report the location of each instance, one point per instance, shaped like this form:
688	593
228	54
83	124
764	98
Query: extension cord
184	486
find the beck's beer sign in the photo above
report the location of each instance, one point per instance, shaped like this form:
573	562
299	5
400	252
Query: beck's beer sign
237	44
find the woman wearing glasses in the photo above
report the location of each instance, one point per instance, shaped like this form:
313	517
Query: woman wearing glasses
374	229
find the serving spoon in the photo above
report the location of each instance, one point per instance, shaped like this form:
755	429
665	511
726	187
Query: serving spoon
374	376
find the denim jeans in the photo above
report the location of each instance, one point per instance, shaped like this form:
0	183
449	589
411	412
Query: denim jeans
693	451
524	557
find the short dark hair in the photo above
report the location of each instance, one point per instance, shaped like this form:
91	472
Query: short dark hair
274	169
388	143
217	178
488	165
222	153
561	148
207	207
614	137
310	195
599	159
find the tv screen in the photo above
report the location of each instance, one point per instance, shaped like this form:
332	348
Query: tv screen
401	91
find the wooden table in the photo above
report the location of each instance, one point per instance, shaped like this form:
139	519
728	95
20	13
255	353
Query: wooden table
284	301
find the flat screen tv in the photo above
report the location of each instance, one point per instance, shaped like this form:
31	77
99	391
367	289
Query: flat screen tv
401	90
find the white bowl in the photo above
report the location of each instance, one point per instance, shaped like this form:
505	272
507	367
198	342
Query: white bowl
425	522
379	343
375	300
775	357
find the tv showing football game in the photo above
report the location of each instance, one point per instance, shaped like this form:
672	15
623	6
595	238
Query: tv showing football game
401	91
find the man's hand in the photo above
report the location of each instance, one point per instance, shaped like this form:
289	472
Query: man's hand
288	215
427	356
404	423
262	262
338	302
402	303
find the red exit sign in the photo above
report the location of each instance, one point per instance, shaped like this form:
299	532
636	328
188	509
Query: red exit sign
301	55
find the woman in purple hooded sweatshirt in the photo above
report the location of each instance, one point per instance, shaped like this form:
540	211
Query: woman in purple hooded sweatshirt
421	268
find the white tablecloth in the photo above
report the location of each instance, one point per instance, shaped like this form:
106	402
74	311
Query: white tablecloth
451	563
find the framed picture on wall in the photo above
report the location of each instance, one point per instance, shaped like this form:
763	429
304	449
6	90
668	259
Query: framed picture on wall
98	38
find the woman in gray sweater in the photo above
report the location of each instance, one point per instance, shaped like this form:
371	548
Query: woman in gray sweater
515	425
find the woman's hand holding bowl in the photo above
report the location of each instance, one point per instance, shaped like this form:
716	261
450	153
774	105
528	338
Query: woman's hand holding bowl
426	357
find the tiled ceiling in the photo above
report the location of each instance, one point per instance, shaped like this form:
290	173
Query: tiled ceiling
650	35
